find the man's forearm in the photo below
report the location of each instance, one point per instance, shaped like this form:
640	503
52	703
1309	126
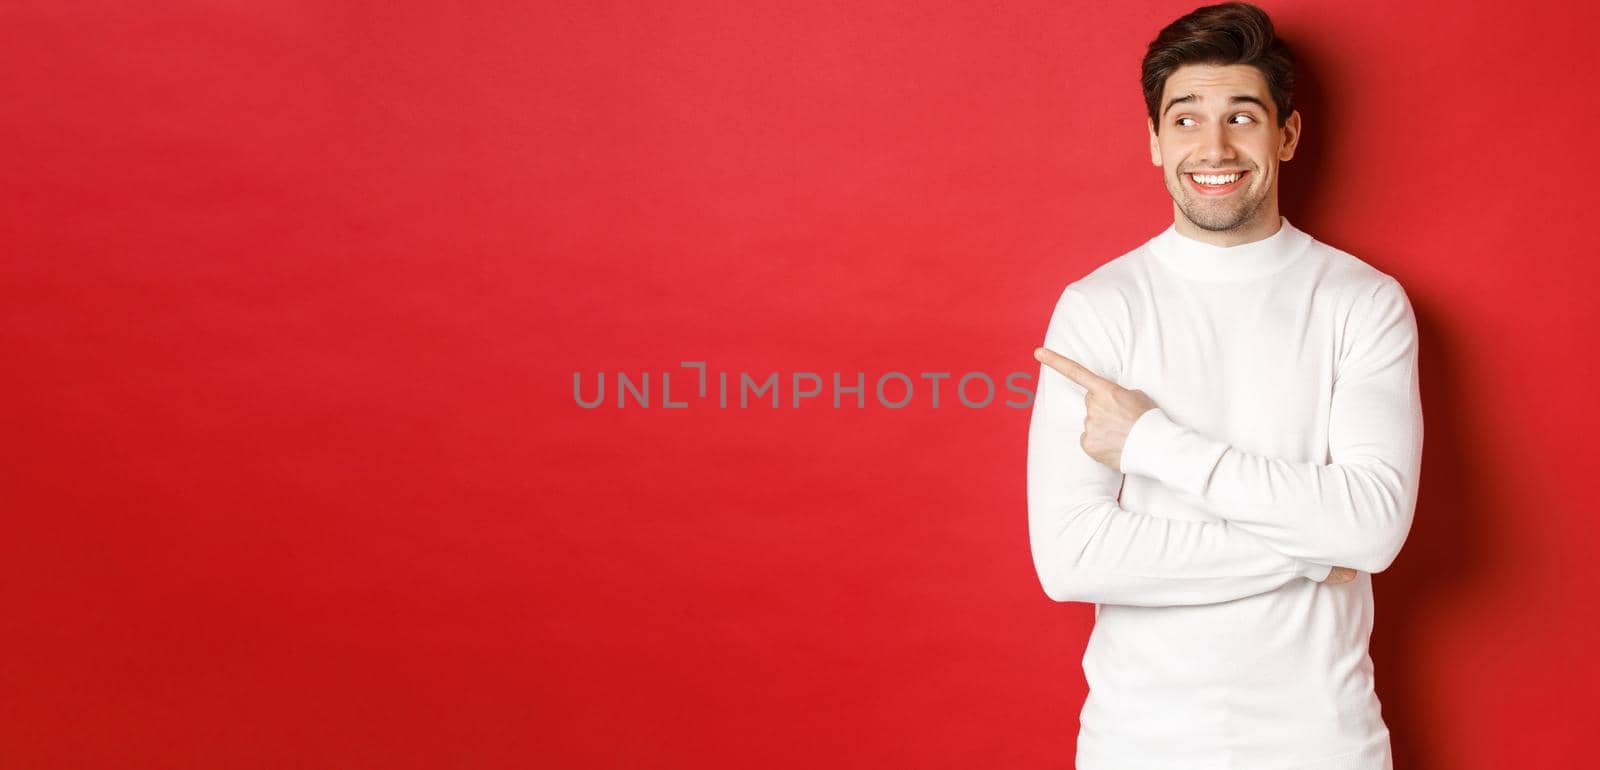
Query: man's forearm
1354	514
1100	552
1088	548
1354	511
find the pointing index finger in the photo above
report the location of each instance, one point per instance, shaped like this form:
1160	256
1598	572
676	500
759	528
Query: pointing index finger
1071	369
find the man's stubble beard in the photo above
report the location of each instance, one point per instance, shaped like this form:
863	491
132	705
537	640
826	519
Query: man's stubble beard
1214	218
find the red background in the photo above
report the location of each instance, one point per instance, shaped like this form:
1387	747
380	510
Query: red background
293	294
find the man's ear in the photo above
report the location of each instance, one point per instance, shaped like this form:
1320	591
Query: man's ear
1155	146
1291	136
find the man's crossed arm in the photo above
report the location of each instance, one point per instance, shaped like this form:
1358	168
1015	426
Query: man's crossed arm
1281	520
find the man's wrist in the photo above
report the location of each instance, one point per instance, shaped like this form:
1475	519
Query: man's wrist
1136	449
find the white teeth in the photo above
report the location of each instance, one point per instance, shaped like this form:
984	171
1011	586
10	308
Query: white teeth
1215	179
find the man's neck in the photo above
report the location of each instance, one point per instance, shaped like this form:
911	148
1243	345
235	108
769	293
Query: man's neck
1263	225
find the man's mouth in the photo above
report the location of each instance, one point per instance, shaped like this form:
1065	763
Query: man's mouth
1216	182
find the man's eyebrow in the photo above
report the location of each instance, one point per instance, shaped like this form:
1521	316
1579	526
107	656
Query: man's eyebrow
1235	99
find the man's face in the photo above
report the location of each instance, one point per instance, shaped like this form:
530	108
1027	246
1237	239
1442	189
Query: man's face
1220	122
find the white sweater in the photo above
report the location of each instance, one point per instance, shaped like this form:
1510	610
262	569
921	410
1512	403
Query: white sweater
1288	439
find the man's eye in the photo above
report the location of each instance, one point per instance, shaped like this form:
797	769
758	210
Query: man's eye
1179	121
1246	117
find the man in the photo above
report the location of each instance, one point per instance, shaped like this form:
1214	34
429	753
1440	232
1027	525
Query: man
1226	444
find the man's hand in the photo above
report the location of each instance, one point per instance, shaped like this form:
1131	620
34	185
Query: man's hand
1109	413
1109	409
1339	575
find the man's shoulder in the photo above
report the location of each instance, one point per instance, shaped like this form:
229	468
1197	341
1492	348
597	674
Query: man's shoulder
1348	273
1113	280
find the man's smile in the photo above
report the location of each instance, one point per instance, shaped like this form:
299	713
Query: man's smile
1216	183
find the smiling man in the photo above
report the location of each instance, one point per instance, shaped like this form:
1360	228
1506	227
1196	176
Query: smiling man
1226	443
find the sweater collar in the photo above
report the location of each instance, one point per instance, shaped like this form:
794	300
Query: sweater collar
1202	261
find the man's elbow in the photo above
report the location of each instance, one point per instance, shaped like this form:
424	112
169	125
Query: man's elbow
1381	549
1058	538
1064	591
1374	563
1057	586
1054	592
1061	583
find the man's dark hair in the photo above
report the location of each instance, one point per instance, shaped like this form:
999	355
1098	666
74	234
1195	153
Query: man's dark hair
1222	34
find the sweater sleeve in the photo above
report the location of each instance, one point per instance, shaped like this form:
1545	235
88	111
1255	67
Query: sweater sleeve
1355	511
1088	548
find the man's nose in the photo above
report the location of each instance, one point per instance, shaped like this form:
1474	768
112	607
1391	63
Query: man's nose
1214	145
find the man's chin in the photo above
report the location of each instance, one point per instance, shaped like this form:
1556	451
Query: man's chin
1216	223
1218	219
1220	227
